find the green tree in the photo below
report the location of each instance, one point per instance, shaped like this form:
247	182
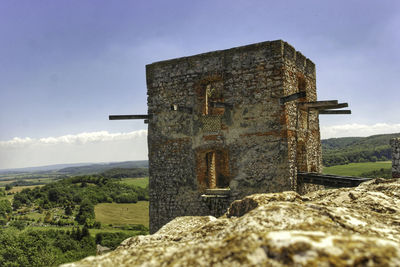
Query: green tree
85	231
54	194
5	207
2	192
16	204
68	210
20	225
126	198
86	211
48	218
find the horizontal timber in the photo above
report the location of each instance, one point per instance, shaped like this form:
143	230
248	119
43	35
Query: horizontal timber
341	105
334	112
130	117
292	97
318	104
330	180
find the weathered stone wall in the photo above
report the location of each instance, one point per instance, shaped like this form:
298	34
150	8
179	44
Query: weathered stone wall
395	143
302	124
258	143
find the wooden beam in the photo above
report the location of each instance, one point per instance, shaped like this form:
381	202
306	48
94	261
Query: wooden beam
341	105
130	117
292	97
330	180
318	104
333	112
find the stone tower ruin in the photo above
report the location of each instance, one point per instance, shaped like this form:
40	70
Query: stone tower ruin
395	144
230	123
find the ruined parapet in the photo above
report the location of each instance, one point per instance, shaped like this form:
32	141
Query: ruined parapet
338	227
218	121
217	200
395	144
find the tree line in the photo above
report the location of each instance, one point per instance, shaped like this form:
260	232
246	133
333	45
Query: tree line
21	245
44	247
356	156
79	191
340	151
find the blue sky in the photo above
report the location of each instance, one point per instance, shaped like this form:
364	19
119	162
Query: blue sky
66	65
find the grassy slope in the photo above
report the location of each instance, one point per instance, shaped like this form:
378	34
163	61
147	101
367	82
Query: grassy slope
109	213
337	151
98	168
92	232
351	143
17	189
119	214
142	182
355	169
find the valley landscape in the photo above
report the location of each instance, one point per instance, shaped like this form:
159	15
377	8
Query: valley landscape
66	212
199	133
103	204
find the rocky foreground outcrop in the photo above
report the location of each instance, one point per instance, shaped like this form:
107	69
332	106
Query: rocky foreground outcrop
339	227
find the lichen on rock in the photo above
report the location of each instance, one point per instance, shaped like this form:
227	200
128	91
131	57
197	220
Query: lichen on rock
337	227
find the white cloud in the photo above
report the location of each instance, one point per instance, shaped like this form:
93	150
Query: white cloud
362	130
84	147
106	147
82	138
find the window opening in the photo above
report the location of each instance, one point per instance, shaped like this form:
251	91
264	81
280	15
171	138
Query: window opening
174	107
213	100
211	170
301	83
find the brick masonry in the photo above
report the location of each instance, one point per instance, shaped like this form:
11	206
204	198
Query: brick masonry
395	144
218	116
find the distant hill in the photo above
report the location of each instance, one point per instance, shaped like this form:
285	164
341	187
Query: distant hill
337	151
99	168
126	172
46	168
78	168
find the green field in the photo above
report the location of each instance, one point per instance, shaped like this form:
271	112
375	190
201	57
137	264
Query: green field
16	189
5	182
92	232
122	213
356	169
141	182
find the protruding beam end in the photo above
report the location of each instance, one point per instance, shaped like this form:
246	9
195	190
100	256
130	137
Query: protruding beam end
129	117
334	112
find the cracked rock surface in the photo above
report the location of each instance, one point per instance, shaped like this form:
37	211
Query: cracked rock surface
337	227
